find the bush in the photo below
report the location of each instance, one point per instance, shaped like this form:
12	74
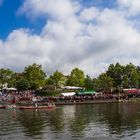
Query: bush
48	93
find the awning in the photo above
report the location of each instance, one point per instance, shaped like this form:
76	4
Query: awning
68	93
131	90
88	92
11	88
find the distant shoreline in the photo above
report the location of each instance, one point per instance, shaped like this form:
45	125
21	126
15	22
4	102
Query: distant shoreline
136	100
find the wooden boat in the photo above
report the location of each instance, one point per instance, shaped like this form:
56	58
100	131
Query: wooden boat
38	107
2	107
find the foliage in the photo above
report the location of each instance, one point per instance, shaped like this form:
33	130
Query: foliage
88	83
131	76
48	93
103	82
57	79
5	76
76	78
35	76
116	72
22	84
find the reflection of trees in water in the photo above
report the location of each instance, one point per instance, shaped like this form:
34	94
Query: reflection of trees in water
7	118
83	116
116	117
121	117
32	121
56	120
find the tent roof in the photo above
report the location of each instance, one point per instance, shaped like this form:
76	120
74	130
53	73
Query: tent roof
11	88
68	94
72	87
86	92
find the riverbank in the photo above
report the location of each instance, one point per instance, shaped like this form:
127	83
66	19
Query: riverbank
133	100
86	102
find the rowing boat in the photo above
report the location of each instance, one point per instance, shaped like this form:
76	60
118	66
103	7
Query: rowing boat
2	106
26	107
38	107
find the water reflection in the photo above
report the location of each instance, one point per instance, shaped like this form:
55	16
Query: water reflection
99	121
32	121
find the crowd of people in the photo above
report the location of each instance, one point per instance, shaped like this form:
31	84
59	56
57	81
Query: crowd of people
31	96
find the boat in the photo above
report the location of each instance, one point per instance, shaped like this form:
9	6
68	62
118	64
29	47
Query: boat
2	107
27	107
34	107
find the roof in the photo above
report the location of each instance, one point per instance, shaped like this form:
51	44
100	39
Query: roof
131	90
86	92
72	87
11	88
68	93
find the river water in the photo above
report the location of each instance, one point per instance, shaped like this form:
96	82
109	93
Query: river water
111	121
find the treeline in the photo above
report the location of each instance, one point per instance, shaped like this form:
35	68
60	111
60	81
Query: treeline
33	77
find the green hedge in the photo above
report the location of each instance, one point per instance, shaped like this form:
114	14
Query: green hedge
48	93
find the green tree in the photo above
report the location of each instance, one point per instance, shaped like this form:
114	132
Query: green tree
116	72
88	83
57	79
103	82
76	78
96	84
5	76
22	83
131	76
35	76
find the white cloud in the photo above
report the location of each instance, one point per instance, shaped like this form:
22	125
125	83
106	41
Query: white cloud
132	7
56	9
89	14
74	36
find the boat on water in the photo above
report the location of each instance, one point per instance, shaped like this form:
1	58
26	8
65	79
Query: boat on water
2	107
27	107
34	107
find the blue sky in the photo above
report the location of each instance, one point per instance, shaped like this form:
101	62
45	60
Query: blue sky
63	34
11	20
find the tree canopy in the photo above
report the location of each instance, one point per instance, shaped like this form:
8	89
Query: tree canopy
76	78
35	76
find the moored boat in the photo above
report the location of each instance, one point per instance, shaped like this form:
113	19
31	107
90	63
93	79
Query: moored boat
2	106
38	107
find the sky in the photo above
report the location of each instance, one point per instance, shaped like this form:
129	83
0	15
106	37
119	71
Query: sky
64	34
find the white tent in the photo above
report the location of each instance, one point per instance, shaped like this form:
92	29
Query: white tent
72	87
68	94
11	88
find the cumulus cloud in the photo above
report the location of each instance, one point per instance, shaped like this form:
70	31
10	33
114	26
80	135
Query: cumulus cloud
56	9
132	7
74	36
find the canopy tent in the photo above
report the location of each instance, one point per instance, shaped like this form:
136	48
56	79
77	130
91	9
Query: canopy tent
11	88
72	88
131	91
87	92
68	94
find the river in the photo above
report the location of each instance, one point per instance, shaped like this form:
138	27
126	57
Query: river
110	121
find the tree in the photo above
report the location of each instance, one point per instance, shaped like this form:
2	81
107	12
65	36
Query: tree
5	76
76	78
116	72
88	83
35	76
131	76
103	82
96	84
22	83
57	79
